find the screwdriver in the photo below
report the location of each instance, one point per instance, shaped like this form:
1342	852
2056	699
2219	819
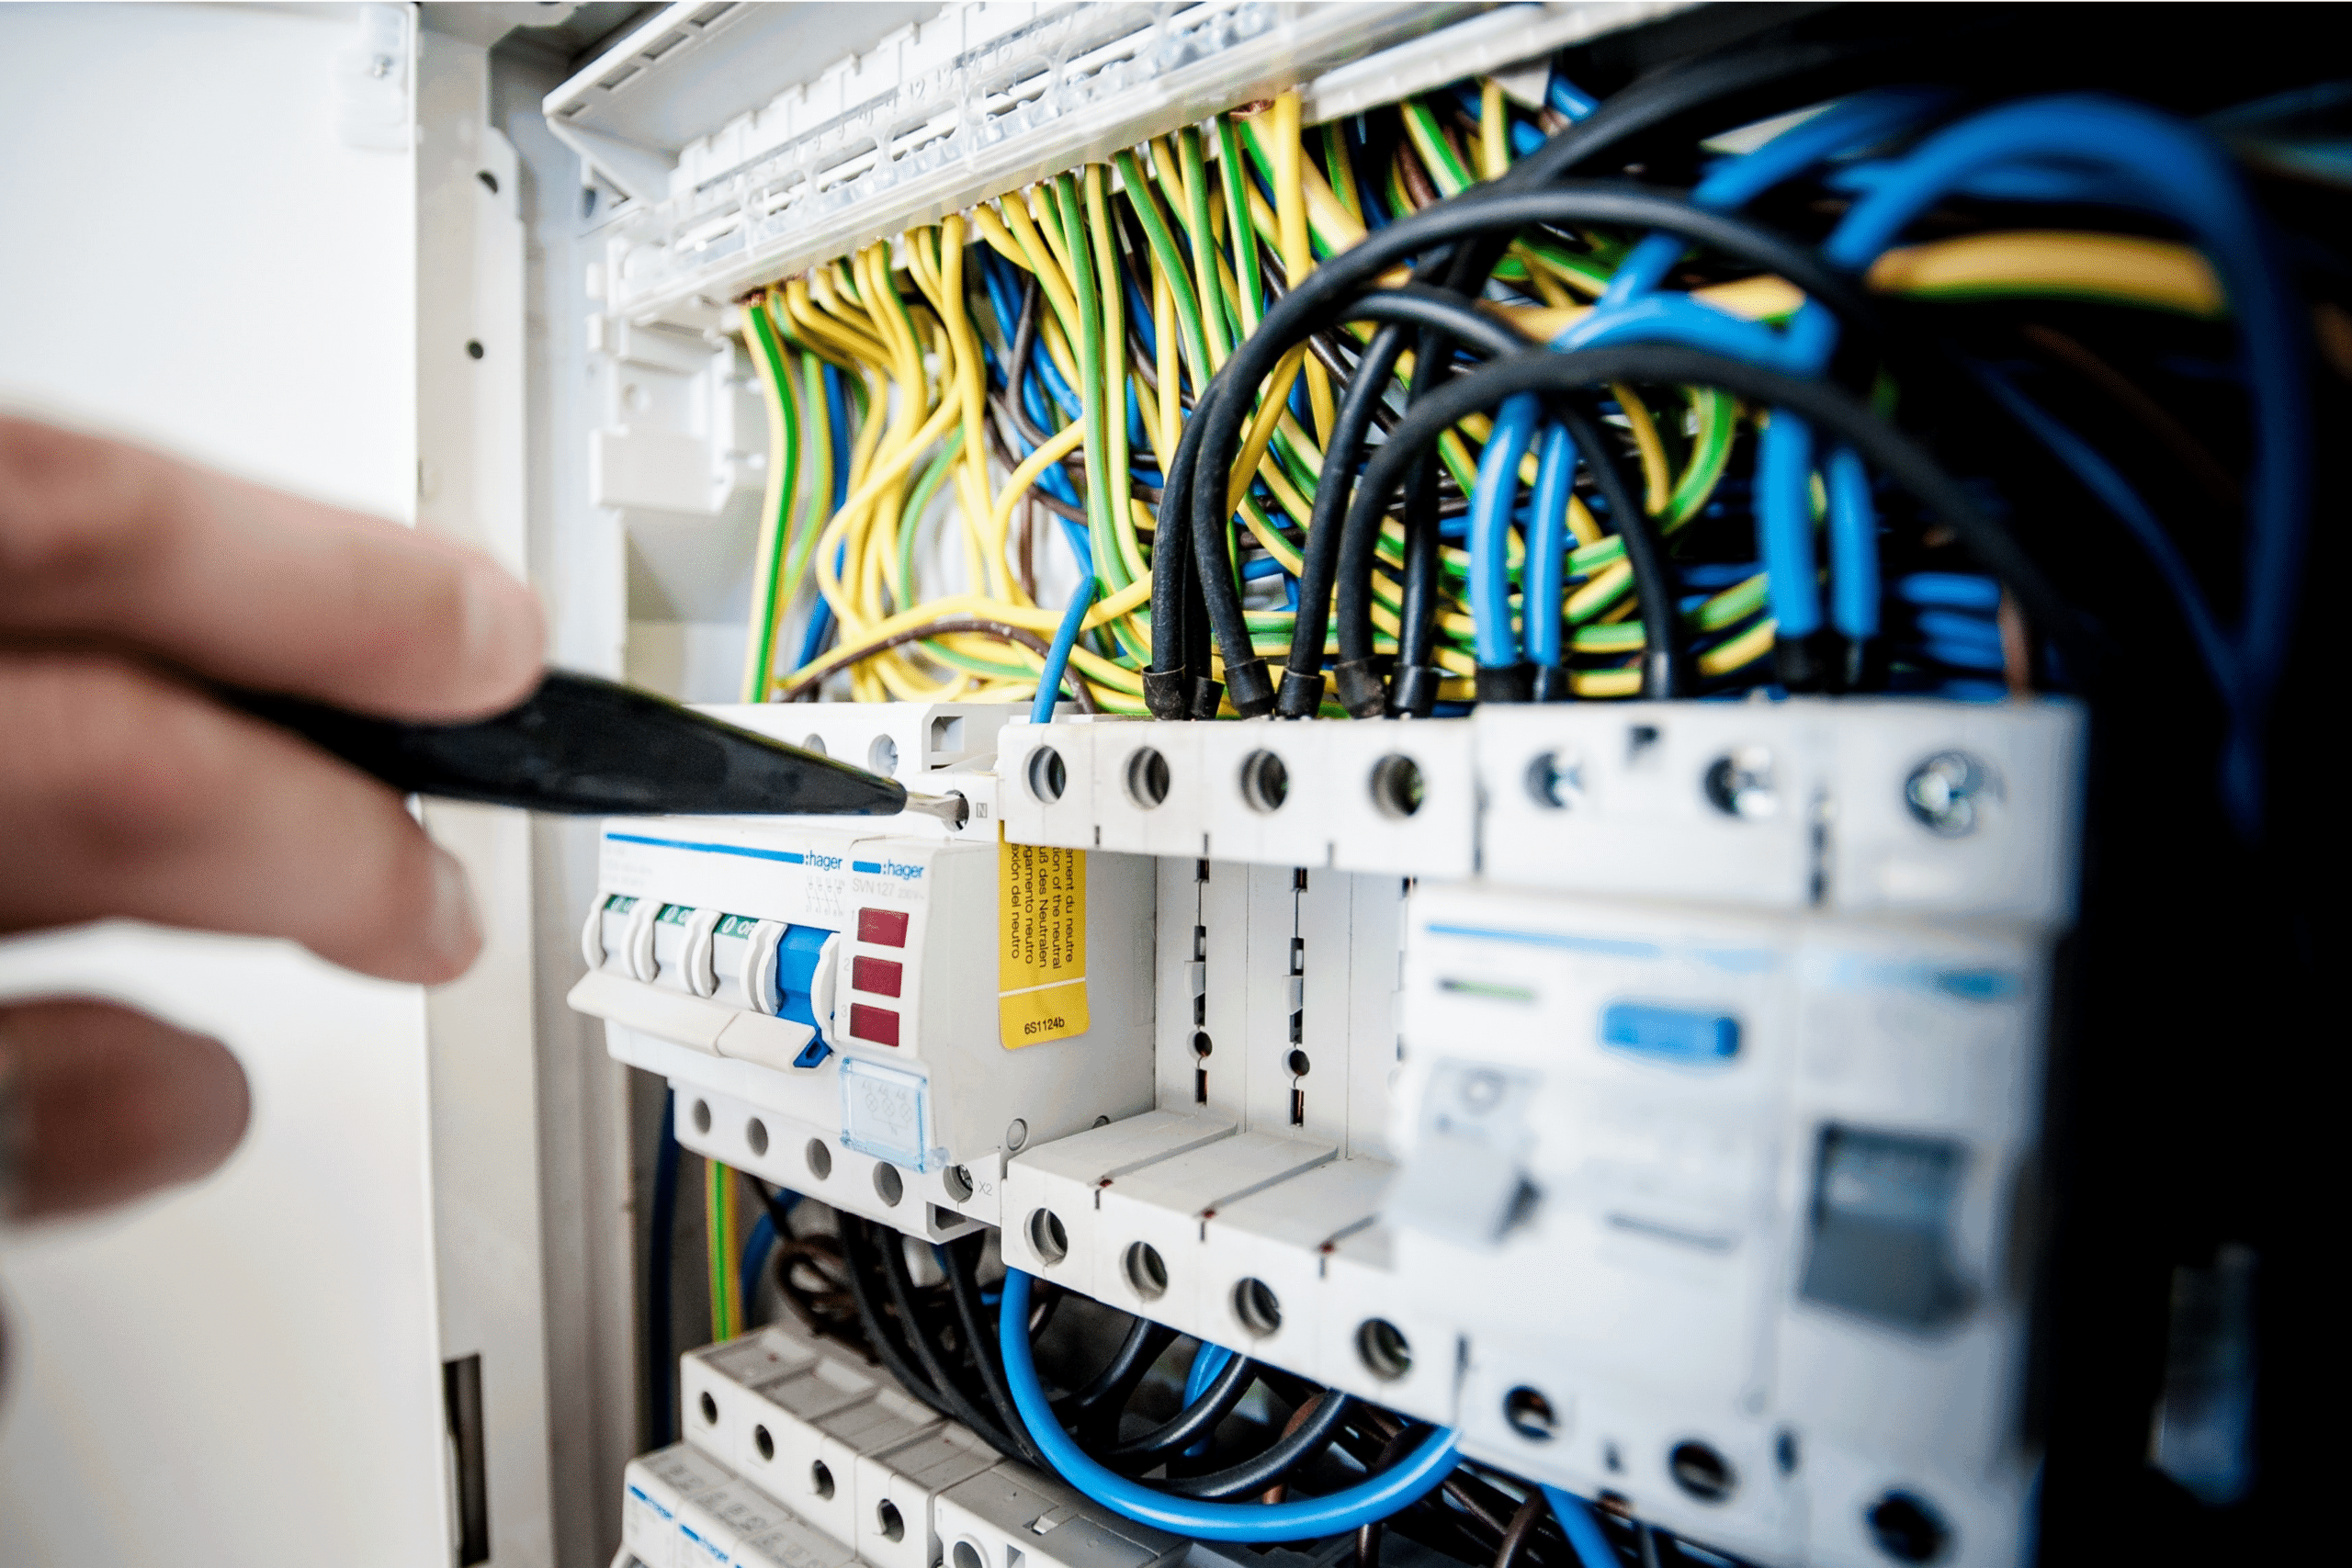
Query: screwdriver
583	746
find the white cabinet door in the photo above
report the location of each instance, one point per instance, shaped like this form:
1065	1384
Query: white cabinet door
211	244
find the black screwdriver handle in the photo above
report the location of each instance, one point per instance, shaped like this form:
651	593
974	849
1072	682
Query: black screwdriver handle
583	746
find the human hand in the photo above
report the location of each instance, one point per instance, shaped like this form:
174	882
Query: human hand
125	577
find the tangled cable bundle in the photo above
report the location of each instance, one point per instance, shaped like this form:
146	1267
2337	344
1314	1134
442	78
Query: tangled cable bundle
1496	424
1904	387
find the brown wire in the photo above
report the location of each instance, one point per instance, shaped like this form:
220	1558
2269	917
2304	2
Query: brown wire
1418	184
1368	1534
1306	1407
2192	453
1029	548
801	685
1522	1526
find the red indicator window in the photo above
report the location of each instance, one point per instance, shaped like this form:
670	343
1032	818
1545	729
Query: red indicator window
875	976
880	1025
882	927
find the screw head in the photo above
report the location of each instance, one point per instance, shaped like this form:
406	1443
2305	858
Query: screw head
1947	794
1739	783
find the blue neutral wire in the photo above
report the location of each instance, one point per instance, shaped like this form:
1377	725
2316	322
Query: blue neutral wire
1783	513
1049	680
821	613
1310	1518
1208	1362
1962	591
1591	1547
1734	183
1853	545
1493	494
1572	101
1543	585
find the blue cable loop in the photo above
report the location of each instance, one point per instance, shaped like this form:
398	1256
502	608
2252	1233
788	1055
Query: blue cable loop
2177	171
1492	497
1734	183
1400	1486
1628	311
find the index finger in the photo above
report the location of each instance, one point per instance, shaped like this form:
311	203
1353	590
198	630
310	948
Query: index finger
244	584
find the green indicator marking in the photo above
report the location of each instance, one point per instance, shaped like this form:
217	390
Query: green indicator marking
673	914
621	903
737	925
1487	988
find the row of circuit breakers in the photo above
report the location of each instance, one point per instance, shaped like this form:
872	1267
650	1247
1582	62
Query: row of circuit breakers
1649	1092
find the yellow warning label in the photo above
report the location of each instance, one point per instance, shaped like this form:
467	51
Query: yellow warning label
1041	948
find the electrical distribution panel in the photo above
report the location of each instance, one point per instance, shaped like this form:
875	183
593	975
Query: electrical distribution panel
1649	1093
1712	1201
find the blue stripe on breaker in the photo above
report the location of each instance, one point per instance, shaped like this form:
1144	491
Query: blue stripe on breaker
790	857
874	866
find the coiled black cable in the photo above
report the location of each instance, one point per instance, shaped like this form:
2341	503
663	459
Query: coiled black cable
1092	1413
1285	1454
858	1252
961	1404
959	1261
1188	1426
1360	686
1301	695
1322	298
1246	677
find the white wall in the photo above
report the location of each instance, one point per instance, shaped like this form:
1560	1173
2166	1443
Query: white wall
245	1372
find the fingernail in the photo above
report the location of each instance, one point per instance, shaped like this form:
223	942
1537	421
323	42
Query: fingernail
454	934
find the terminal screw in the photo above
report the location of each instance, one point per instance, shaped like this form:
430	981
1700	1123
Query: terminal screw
1944	793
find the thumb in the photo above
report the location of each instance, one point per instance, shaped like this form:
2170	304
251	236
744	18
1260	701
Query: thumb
100	1104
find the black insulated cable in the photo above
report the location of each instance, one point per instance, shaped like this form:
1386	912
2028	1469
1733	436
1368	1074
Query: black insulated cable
892	1252
1301	695
1285	1454
1092	1413
959	1261
1665	658
857	1252
1250	686
1188	1426
1166	689
1321	300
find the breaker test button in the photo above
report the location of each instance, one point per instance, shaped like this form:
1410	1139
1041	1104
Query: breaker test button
875	976
882	927
878	1025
